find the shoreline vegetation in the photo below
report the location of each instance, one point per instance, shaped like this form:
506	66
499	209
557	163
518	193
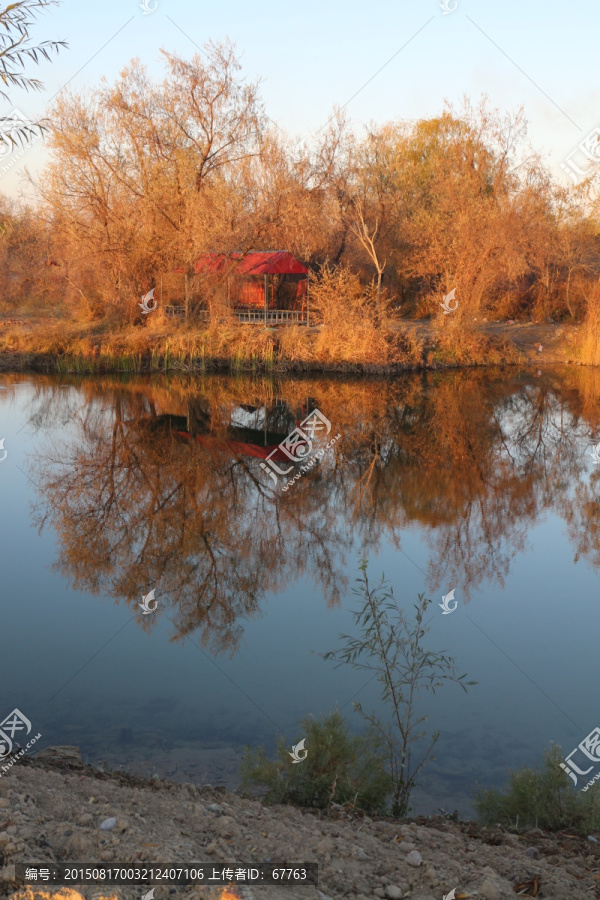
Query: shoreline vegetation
56	345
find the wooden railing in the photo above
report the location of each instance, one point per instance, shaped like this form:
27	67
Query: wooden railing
247	316
273	316
173	310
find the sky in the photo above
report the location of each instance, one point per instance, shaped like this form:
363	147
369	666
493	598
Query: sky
380	60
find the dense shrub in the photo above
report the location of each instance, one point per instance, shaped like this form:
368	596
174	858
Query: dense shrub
338	768
541	798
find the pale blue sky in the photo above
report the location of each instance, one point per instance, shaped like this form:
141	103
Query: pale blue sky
315	54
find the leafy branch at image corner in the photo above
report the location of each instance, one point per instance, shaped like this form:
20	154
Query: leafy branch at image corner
16	49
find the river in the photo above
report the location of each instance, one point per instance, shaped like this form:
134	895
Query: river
480	482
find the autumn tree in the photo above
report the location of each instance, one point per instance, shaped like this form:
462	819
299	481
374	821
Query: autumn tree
373	200
139	169
472	211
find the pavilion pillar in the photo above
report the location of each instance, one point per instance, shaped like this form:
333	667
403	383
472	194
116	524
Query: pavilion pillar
187	295
266	297
307	302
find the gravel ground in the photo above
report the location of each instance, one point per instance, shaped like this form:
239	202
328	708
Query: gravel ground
559	343
51	808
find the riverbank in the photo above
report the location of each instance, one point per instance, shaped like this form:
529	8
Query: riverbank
56	345
52	805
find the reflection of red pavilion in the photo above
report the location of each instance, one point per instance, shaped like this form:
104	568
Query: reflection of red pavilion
238	448
252	431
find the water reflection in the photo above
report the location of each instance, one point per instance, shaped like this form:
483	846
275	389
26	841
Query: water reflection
159	485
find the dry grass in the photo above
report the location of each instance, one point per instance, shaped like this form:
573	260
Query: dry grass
355	329
590	338
356	325
460	343
166	345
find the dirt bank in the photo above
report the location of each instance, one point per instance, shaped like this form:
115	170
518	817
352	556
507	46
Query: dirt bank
559	343
51	808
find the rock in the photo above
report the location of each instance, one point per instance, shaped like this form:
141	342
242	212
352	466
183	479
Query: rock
61	756
108	824
593	839
4	803
414	858
77	846
489	891
533	852
85	819
392	892
359	853
227	827
214	807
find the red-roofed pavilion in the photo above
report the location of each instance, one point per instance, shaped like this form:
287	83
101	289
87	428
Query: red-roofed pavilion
264	286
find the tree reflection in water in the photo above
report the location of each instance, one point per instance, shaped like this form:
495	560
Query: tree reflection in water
159	484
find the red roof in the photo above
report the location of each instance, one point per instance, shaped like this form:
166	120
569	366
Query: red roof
257	262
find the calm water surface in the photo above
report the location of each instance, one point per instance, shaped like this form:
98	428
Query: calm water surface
480	482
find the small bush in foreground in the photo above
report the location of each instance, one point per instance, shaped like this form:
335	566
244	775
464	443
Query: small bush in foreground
541	798
391	645
338	768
